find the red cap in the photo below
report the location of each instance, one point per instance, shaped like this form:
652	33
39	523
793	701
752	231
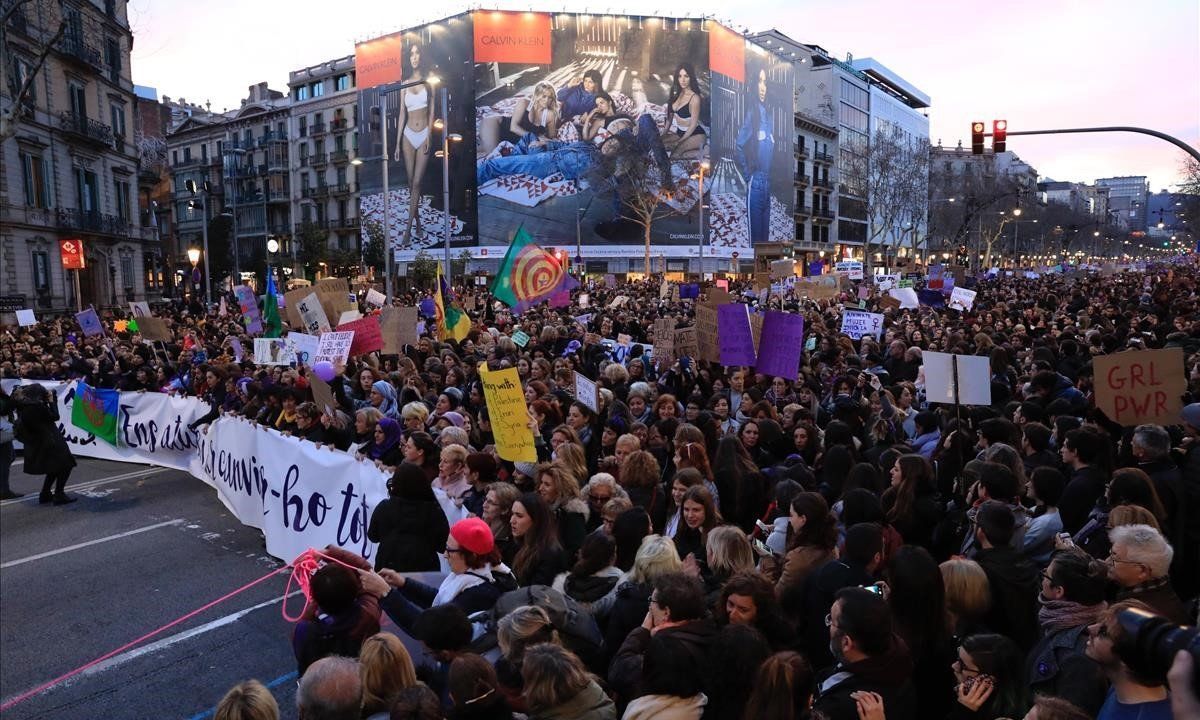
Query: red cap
473	535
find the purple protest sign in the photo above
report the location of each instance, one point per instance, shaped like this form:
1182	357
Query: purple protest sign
89	322
734	335
781	345
249	307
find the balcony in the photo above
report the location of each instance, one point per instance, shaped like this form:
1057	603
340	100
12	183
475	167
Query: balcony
803	211
339	156
76	49
339	124
317	129
303	161
92	221
279	196
187	162
272	137
85	128
149	175
823	157
801	152
318	159
822	185
315	192
800	179
823	215
344	224
342	189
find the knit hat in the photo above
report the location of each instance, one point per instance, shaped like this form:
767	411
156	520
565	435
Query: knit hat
1191	415
473	535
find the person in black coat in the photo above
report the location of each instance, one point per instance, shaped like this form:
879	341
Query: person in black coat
1082	453
46	451
1012	577
409	525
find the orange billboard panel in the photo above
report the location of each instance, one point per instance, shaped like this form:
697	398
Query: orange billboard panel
726	52
512	37
377	62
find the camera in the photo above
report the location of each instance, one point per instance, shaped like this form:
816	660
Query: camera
1150	643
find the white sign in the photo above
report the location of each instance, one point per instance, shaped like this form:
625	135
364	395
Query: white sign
852	268
140	308
25	318
272	351
962	299
906	296
300	496
334	347
375	298
151	427
974	378
302	347
313	314
348	316
857	323
886	282
585	392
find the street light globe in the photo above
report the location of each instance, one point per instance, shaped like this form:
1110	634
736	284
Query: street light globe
193	255
272	245
1017	212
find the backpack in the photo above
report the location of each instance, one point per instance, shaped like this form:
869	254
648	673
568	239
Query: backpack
576	627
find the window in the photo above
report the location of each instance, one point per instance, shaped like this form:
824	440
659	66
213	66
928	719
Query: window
339	143
341	176
855	95
36	176
117	112
127	272
342	210
854	118
341	82
302	123
302	92
78	98
86	190
204	152
21	70
41	272
187	155
317	89
74	22
174	157
112	58
121	197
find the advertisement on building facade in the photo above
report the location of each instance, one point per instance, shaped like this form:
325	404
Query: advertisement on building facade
414	213
557	112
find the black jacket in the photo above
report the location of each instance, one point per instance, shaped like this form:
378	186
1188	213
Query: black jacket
410	534
46	451
1083	489
625	674
1013	580
819	590
628	611
1057	666
888	674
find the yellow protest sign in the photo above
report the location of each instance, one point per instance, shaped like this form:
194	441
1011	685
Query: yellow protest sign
509	416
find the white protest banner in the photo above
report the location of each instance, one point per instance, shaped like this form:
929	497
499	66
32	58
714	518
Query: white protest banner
974	378
302	347
25	318
856	323
585	392
375	298
272	351
151	427
334	347
520	338
886	282
313	315
961	299
852	268
300	496
907	297
140	308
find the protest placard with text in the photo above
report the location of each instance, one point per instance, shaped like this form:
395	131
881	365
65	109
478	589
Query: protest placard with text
735	338
367	335
508	414
781	346
334	347
1141	387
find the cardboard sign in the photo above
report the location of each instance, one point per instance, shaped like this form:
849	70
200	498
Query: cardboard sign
375	298
89	322
367	336
348	316
334	347
155	329
664	340
962	299
139	309
520	338
1140	387
586	393
756	326
302	347
887	302
823	287
272	351
852	268
719	296
25	318
856	324
508	413
312	316
782	345
685	343
974	378
340	286
322	394
907	297
781	269
237	349
584	300
886	282
398	325
707	343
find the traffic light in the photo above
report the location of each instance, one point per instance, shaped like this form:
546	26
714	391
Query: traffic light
999	135
977	138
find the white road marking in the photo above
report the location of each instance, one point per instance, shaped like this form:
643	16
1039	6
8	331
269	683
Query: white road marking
28	497
89	543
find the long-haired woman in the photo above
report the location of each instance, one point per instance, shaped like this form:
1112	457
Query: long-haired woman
540	556
742	487
413	142
910	503
684	133
699	515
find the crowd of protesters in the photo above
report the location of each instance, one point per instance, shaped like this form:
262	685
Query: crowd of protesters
716	543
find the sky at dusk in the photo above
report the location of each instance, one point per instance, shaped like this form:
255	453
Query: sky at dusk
1039	64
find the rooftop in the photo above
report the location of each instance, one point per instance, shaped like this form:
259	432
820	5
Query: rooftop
882	75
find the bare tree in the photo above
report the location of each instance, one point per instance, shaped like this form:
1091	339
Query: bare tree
896	169
20	72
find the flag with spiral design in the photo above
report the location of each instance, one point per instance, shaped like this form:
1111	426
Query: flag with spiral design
530	274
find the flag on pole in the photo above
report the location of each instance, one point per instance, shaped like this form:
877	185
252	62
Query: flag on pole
272	324
529	274
451	320
95	411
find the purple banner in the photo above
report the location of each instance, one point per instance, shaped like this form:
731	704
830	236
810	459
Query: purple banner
249	307
781	345
734	335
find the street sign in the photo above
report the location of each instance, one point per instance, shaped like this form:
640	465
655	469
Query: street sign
72	254
11	303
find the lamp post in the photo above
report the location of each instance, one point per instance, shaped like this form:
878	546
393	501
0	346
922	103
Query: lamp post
203	192
444	154
704	168
193	255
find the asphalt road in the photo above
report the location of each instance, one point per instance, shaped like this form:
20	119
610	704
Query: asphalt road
141	548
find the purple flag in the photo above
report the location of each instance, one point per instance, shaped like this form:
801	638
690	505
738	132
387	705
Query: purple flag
248	304
781	345
734	336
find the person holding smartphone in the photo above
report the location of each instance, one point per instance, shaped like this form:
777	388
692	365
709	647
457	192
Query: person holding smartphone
990	679
46	451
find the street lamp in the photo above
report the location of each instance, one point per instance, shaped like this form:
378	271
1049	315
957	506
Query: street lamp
704	168
203	190
272	245
444	154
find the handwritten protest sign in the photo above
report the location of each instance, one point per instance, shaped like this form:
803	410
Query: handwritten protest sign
886	282
735	338
398	325
25	318
664	340
248	304
781	346
155	329
852	268
781	269
821	287
375	298
508	414
974	378
1141	387
618	301
312	316
334	347
139	309
302	347
272	351
685	343
708	347
856	323
520	338
962	299
367	336
586	393
719	295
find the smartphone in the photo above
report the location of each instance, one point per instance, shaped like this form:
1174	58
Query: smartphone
874	588
761	548
764	527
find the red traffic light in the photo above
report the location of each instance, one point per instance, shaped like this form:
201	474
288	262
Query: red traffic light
999	135
977	129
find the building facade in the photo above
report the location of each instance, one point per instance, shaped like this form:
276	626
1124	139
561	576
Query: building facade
1128	196
969	195
70	164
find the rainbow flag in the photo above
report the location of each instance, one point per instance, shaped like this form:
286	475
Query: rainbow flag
529	274
451	320
95	411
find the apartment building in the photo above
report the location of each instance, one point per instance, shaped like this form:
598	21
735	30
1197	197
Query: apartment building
1129	195
70	163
